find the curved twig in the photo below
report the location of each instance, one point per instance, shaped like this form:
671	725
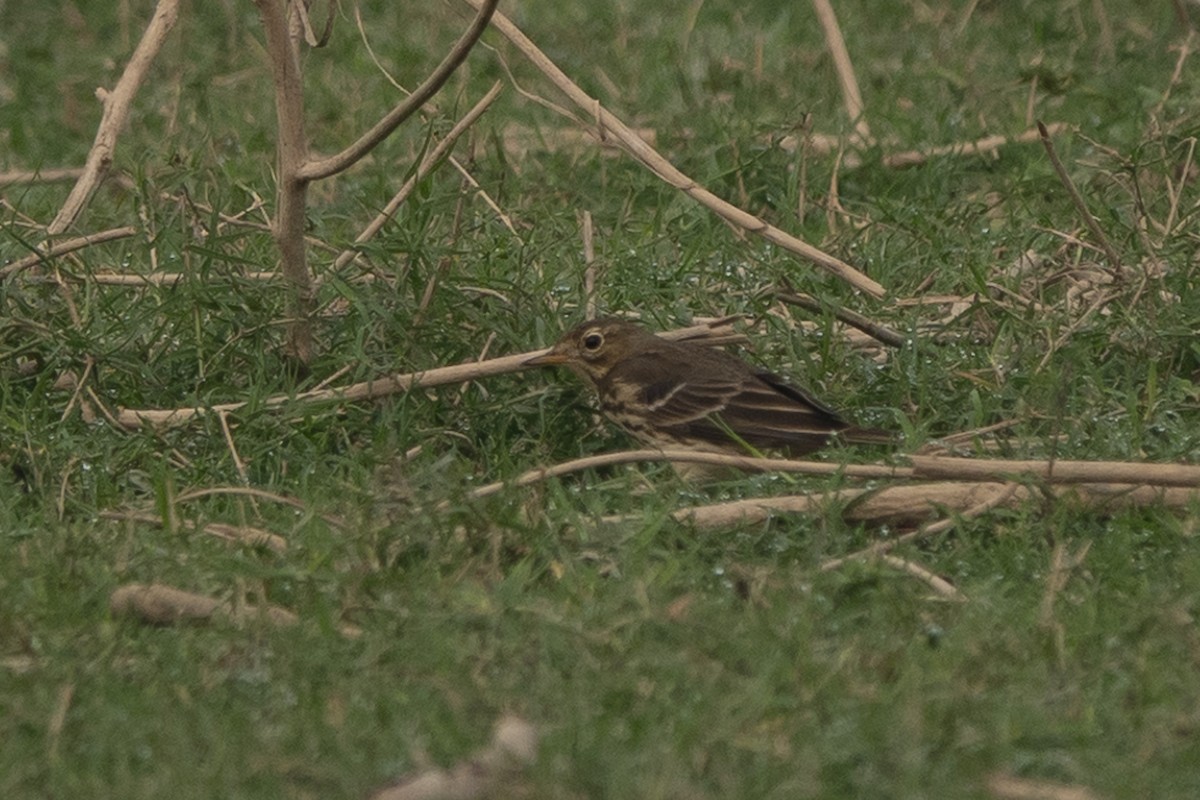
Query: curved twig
66	246
315	169
608	123
116	109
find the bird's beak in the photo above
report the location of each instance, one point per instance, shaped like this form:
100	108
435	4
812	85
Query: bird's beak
546	359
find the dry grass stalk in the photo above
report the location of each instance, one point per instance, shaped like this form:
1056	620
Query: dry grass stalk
40	175
875	330
609	123
747	463
936	582
987	503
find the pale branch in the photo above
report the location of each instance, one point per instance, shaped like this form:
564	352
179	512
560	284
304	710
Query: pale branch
936	582
844	67
715	333
242	534
65	246
919	503
988	144
315	169
991	500
876	330
116	109
747	463
40	175
665	170
1055	471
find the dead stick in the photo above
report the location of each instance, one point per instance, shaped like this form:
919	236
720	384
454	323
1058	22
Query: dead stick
610	123
875	330
323	168
116	110
66	246
987	144
844	68
1131	472
1076	198
717	333
747	463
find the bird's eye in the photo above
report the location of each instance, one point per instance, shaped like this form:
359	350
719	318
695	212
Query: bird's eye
593	341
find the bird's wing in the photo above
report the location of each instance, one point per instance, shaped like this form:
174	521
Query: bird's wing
728	411
774	414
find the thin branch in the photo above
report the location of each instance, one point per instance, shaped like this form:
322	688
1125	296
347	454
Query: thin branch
992	499
323	168
933	580
746	463
915	504
1057	471
988	144
243	534
717	333
875	330
844	67
1077	199
263	494
116	110
41	175
636	146
66	246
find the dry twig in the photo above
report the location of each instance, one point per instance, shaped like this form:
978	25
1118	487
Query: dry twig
844	67
636	146
716	333
1114	261
876	330
66	246
243	534
116	110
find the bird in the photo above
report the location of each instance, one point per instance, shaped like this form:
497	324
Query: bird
681	394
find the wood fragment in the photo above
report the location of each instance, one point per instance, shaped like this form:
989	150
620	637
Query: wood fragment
487	773
160	604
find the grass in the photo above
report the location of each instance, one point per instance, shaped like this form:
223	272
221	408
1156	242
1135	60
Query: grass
655	660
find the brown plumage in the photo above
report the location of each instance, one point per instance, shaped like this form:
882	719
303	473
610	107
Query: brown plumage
688	395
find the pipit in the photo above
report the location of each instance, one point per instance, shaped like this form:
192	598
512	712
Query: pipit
689	396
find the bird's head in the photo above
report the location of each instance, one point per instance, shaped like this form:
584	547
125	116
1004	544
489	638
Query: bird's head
594	347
